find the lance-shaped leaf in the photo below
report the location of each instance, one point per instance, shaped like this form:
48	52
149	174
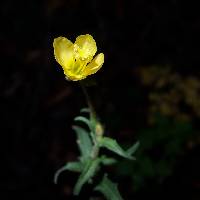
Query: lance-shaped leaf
113	146
133	148
108	189
85	110
84	142
84	120
71	166
88	172
107	161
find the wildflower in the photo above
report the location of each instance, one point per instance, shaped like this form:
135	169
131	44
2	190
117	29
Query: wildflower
77	59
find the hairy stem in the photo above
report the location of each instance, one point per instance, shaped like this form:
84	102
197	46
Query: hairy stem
93	117
89	102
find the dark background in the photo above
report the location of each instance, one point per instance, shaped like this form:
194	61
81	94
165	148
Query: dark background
38	105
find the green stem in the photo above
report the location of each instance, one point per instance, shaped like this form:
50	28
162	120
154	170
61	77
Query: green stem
93	118
89	102
95	151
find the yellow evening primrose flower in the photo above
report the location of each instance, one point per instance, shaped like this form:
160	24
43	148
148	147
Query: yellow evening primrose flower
77	59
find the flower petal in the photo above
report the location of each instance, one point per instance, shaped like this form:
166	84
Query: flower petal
94	65
63	51
75	73
85	47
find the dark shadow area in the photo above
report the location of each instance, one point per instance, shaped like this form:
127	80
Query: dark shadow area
148	89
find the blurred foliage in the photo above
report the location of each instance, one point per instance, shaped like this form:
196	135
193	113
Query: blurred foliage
171	130
171	94
162	145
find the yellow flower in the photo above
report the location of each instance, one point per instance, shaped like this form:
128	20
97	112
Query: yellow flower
77	59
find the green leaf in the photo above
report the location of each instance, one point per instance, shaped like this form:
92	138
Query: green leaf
112	145
85	110
84	141
71	166
109	189
84	120
107	161
133	149
88	172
